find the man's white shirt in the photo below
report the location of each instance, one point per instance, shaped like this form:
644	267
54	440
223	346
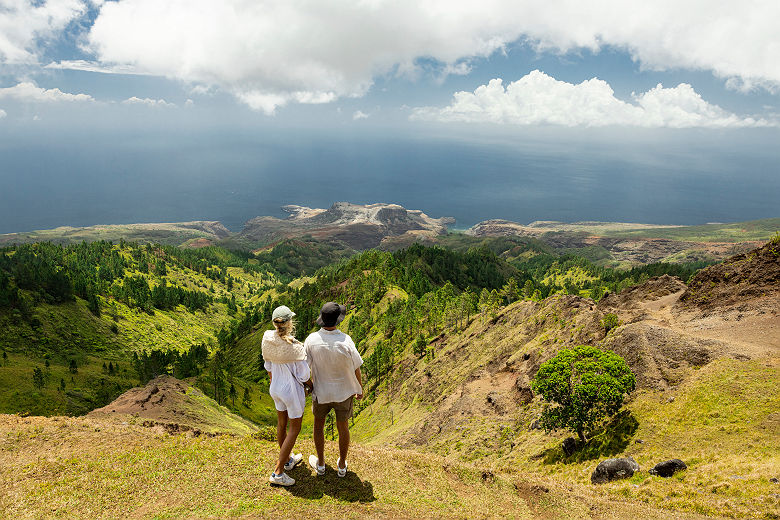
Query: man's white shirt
333	359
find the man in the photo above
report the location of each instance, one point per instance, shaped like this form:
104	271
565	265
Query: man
335	372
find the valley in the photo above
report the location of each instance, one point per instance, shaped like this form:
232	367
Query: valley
158	345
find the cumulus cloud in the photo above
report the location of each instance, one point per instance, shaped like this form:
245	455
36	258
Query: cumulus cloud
3	113
278	51
540	99
28	92
26	24
359	114
158	103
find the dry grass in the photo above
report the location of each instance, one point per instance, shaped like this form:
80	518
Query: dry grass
98	468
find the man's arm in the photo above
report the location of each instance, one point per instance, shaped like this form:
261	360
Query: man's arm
360	381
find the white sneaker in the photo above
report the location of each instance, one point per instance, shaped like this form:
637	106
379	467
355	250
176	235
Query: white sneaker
295	459
281	480
314	462
342	471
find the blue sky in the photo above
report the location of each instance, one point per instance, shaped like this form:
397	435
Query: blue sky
695	82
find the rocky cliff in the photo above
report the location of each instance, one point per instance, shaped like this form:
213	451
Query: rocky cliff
357	226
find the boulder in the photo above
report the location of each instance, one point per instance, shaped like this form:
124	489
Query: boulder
569	446
614	469
668	468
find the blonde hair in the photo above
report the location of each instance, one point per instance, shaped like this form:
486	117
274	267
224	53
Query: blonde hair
286	330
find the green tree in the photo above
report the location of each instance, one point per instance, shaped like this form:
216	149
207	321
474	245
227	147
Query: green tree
62	385
39	380
233	394
247	399
582	386
72	367
510	291
419	345
5	358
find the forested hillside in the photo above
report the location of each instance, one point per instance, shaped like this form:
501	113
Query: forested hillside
75	318
400	302
84	322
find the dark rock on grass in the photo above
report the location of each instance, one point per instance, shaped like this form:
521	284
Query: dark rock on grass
614	469
569	446
668	468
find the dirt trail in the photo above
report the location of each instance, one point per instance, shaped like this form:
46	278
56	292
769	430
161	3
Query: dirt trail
753	331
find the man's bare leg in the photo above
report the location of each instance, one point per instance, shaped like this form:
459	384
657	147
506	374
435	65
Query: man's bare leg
319	439
343	428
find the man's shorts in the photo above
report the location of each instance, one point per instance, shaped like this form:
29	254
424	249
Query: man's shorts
343	409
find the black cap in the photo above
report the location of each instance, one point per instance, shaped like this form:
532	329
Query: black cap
331	314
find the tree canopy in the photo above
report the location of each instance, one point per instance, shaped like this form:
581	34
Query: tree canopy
582	386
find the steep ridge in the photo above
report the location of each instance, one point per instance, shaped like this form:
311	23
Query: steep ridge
357	226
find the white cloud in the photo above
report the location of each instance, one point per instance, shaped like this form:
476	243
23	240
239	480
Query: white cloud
91	66
278	51
26	24
360	115
3	113
148	102
540	99
28	92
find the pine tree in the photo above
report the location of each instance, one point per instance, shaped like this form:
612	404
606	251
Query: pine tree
72	367
247	399
39	380
233	394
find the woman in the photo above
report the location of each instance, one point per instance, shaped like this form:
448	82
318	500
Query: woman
285	361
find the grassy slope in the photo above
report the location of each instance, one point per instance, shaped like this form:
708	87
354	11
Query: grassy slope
86	467
733	232
168	234
723	421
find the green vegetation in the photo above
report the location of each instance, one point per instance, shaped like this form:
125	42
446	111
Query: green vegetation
610	321
733	232
101	303
303	256
584	386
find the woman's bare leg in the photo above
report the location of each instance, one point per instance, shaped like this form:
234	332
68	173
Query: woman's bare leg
287	445
281	427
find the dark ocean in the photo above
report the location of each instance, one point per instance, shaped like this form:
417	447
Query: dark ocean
81	180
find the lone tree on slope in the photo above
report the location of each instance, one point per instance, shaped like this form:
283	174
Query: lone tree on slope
39	380
582	386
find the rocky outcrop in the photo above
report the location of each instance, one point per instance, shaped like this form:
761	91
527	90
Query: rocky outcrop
741	278
357	226
614	469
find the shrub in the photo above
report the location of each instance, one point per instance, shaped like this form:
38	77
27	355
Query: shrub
610	321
